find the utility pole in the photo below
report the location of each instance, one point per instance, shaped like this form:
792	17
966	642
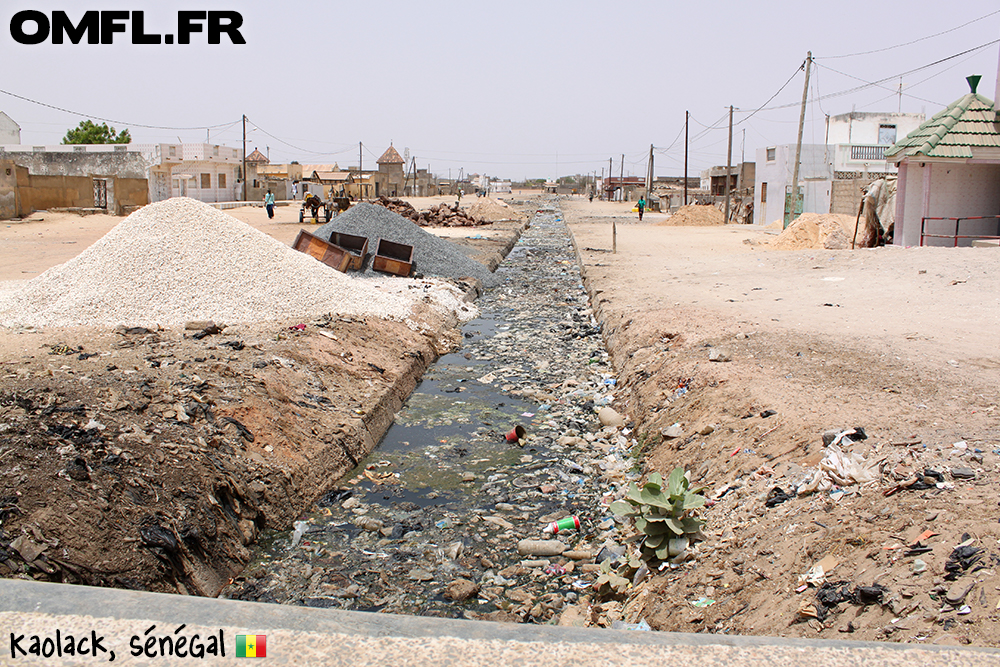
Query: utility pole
361	169
614	222
729	161
649	173
608	186
798	144
244	157
687	116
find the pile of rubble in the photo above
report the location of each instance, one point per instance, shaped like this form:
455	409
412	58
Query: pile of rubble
441	215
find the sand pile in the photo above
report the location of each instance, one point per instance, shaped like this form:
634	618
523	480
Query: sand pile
695	215
492	210
181	260
432	256
816	231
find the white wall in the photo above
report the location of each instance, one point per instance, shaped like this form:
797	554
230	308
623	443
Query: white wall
211	194
862	127
815	178
956	190
10	131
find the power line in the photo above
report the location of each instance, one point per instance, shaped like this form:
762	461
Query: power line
873	84
785	85
111	120
878	85
304	150
889	48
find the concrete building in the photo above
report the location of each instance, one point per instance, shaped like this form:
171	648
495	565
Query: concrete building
713	179
860	140
10	132
773	177
206	172
949	172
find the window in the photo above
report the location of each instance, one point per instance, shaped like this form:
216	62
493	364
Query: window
763	193
206	181
771	154
215	151
886	135
222	181
191	182
172	152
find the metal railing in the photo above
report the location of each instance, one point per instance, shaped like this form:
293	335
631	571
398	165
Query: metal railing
868	152
958	222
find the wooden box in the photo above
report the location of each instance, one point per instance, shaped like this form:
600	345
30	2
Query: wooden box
356	245
395	258
325	252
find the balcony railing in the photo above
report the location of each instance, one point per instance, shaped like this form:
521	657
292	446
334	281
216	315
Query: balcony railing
868	152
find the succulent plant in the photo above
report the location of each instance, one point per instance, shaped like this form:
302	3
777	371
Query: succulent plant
661	511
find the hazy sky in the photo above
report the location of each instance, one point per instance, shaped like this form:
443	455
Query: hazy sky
513	89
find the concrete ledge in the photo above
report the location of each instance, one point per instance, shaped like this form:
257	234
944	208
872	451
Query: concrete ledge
300	635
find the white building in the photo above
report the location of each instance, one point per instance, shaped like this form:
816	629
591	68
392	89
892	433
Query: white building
859	141
206	172
773	179
10	132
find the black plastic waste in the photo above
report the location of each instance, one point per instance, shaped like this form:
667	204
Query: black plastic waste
925	482
960	560
777	496
335	496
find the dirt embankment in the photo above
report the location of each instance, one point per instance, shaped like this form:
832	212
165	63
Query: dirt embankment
151	460
753	420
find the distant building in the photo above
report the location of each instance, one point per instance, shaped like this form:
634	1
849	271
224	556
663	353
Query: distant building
10	132
390	177
713	179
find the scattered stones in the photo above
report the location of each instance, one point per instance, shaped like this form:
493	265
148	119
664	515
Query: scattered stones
719	354
672	432
461	589
610	417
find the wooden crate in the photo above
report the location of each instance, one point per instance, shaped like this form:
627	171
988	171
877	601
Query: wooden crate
356	245
395	258
327	253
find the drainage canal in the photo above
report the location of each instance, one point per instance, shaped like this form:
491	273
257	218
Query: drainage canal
429	523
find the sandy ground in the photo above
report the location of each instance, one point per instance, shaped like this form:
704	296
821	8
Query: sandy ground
898	341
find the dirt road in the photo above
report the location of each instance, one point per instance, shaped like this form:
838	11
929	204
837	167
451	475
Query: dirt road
898	341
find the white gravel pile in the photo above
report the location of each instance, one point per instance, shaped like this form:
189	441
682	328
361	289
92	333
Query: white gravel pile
181	260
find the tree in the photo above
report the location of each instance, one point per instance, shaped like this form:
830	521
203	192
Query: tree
89	132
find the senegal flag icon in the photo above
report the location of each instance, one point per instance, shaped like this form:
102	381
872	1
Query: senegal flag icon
251	646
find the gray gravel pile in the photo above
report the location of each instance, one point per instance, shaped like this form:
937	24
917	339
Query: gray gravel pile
432	256
180	260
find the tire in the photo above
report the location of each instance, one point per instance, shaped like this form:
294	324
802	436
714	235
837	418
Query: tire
301	216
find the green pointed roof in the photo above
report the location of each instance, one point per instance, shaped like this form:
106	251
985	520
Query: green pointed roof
967	123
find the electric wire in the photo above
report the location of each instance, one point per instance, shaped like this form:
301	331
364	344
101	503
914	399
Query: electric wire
915	41
111	120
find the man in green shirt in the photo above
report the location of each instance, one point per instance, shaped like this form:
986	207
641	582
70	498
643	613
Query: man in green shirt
269	203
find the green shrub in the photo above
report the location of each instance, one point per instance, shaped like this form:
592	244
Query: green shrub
662	513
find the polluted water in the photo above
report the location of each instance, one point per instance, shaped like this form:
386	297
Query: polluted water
451	514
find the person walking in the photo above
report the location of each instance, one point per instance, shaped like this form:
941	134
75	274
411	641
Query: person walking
295	190
269	204
641	206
